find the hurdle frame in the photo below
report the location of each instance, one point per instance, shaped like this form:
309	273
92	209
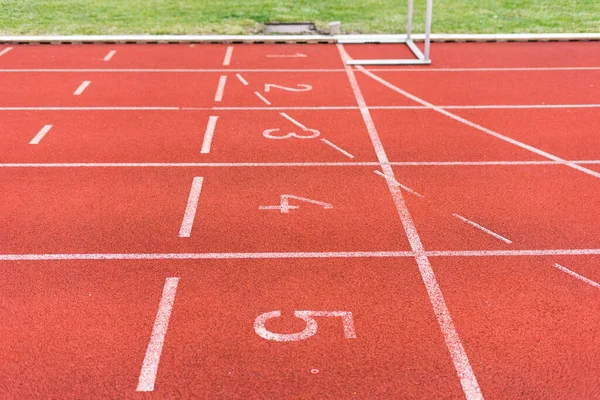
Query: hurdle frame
421	57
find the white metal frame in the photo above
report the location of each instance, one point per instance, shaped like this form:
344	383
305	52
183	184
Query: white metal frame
421	57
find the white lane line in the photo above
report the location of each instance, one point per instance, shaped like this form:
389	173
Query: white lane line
241	79
192	206
494	234
395	182
576	275
6	50
271	70
260	96
293	121
81	88
297	55
208	134
458	354
479	127
110	55
518	106
40	135
475	69
287	164
90	108
283	255
228	53
344	152
221	88
157	338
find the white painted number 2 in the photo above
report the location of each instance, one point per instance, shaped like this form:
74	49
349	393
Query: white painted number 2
301	87
309	330
285	206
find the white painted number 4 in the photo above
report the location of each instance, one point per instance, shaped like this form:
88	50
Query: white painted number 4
285	205
309	330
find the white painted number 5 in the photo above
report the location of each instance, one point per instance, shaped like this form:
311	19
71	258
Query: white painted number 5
308	331
301	87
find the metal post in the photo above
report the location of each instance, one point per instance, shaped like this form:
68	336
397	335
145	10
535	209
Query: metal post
409	17
427	28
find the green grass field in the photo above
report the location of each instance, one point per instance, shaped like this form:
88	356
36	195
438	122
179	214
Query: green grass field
244	17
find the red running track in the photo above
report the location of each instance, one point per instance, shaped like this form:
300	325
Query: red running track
433	228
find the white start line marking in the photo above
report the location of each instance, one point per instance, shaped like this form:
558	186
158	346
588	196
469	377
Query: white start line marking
241	79
192	206
489	232
110	55
309	330
208	134
6	50
457	352
40	135
228	53
81	88
157	338
221	88
576	275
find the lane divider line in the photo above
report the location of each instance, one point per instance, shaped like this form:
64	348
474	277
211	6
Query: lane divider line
260	96
484	229
395	182
344	152
81	88
228	53
40	135
479	127
576	275
457	352
221	88
241	79
157	338
293	255
110	55
192	206
208	134
6	50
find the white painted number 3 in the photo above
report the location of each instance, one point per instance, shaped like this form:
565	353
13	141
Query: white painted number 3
308	331
285	206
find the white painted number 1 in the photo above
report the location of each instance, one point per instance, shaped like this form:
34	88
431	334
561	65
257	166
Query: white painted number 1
309	330
285	206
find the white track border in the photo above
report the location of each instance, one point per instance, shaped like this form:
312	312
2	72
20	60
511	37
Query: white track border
375	38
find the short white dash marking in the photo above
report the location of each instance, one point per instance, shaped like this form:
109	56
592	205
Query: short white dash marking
208	135
228	54
110	55
344	152
395	182
293	121
260	96
157	339
6	50
241	79
40	135
221	88
82	87
576	275
190	210
505	240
